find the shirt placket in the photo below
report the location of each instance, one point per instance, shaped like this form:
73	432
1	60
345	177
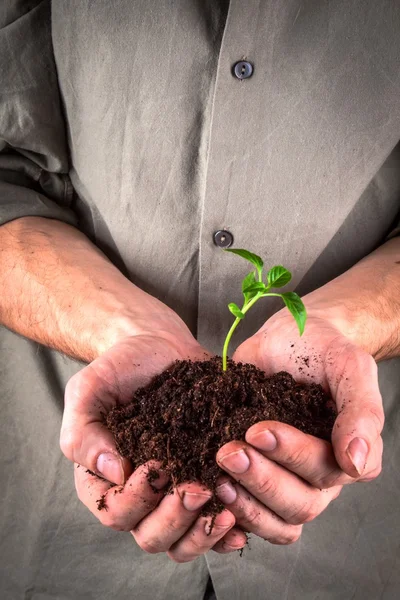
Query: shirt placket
224	202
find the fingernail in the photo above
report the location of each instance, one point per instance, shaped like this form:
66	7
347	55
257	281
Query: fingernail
213	523
265	440
226	493
110	467
236	462
194	501
357	451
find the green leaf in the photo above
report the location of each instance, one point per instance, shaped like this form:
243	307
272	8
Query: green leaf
247	281
253	258
235	310
278	276
255	287
297	308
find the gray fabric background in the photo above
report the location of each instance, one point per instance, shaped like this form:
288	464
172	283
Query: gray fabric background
132	105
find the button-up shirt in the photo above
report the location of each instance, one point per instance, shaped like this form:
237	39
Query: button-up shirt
159	128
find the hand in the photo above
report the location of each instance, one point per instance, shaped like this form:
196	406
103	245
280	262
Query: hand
158	523
291	476
136	336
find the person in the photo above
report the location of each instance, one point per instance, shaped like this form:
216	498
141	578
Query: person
132	135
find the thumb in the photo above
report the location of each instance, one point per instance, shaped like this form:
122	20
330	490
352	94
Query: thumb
84	439
110	380
358	426
249	351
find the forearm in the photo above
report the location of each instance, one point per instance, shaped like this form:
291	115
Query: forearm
58	289
364	302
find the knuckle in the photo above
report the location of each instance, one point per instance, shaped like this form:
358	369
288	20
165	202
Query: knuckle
293	537
173	526
70	440
312	514
110	520
298	458
149	546
267	487
198	545
287	538
329	480
304	514
179	559
71	394
252	517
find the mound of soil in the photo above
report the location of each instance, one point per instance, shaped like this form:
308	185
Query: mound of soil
189	411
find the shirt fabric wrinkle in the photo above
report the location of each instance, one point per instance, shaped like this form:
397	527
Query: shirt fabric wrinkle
125	119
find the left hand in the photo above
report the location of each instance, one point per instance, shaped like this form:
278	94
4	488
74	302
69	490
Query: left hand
284	477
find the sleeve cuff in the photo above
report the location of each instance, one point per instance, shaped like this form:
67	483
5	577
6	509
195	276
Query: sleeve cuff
17	202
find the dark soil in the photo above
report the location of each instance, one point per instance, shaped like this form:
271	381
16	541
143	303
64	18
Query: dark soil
192	409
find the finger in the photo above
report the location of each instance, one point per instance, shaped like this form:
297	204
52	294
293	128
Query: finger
373	466
119	507
203	536
84	439
350	375
283	492
308	457
253	516
234	540
353	380
171	519
93	392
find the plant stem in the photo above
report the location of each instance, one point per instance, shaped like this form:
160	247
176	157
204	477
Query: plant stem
226	344
236	322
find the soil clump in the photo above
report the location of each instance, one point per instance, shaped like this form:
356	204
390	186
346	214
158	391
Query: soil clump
190	410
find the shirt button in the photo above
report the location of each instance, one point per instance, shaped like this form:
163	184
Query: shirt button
223	238
243	70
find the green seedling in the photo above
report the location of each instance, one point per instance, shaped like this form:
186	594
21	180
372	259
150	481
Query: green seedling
253	288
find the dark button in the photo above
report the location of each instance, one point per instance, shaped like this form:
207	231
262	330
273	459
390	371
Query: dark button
223	239
243	70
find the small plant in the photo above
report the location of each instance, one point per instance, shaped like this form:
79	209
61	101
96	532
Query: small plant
254	288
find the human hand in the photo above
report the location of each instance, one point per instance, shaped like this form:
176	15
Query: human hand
159	523
287	478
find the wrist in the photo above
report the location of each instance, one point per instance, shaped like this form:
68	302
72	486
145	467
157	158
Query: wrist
142	315
60	290
368	316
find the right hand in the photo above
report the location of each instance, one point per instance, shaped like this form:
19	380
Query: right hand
159	523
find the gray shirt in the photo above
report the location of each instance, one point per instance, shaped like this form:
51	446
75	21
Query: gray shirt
124	119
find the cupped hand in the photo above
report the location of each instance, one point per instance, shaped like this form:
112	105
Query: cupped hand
159	523
287	478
